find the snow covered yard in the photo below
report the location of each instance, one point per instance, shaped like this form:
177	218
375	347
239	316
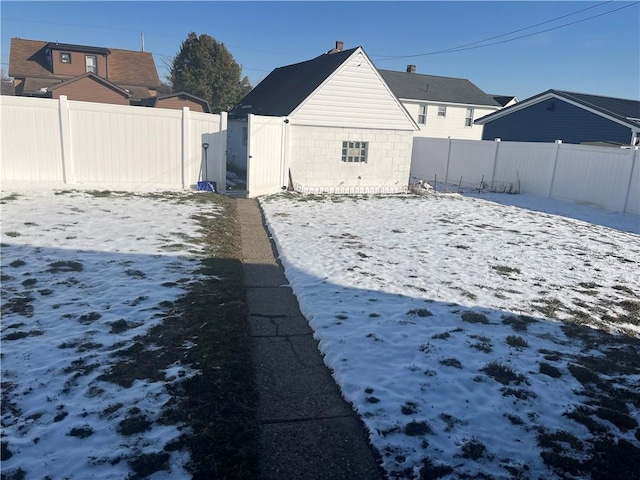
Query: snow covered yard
476	340
84	276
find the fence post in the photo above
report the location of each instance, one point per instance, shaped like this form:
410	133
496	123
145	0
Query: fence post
186	144
634	158
446	173
221	154
555	164
65	139
495	162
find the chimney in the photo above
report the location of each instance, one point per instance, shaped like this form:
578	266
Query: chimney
339	45
411	69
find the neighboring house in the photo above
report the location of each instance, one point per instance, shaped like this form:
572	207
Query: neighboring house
81	72
441	106
567	116
177	101
344	126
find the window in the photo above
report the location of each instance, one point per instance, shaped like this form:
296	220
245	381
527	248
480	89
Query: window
422	116
442	111
353	152
91	62
65	57
468	121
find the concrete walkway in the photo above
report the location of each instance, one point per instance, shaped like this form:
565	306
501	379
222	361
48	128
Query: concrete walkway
308	431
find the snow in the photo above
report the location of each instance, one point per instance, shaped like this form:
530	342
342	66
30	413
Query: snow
385	283
124	258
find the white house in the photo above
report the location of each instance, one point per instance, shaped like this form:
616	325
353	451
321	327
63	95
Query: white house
343	127
442	107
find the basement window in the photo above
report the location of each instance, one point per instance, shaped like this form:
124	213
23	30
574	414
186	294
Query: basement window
65	57
354	152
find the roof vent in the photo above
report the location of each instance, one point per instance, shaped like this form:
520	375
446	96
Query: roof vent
411	69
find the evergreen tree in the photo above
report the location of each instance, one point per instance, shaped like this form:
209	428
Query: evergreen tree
204	67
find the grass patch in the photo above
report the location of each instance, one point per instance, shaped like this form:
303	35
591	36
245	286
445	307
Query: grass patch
483	343
409	408
520	323
441	336
218	406
81	432
503	373
416	429
475	317
17	263
550	370
420	312
505	270
473	449
516	341
451	362
65	267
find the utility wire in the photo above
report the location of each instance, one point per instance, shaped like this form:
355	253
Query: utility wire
474	45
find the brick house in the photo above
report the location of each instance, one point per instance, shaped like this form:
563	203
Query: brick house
81	72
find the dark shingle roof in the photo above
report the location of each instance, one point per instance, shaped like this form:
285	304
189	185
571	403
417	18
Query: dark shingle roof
415	86
624	110
287	87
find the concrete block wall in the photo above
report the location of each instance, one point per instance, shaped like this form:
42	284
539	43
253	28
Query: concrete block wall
315	157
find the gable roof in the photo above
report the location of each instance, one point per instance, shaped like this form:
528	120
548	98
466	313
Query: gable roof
153	101
95	78
27	58
432	88
624	111
287	87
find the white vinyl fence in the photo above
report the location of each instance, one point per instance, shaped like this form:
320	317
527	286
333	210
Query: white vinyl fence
602	176
138	148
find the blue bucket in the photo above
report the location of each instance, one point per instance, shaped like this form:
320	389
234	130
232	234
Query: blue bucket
207	186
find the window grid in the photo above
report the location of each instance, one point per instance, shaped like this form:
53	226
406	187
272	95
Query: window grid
91	62
468	121
422	116
354	152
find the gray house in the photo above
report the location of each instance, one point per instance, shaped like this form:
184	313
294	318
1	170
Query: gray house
571	117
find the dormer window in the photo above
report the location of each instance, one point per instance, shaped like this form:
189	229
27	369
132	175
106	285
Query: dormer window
65	57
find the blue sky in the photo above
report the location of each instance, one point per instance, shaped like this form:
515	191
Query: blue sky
598	55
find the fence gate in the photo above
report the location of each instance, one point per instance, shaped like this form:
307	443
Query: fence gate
265	155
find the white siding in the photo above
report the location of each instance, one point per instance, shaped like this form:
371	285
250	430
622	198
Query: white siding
355	96
453	125
315	155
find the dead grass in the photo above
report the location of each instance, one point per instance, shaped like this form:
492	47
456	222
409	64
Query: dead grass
219	404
